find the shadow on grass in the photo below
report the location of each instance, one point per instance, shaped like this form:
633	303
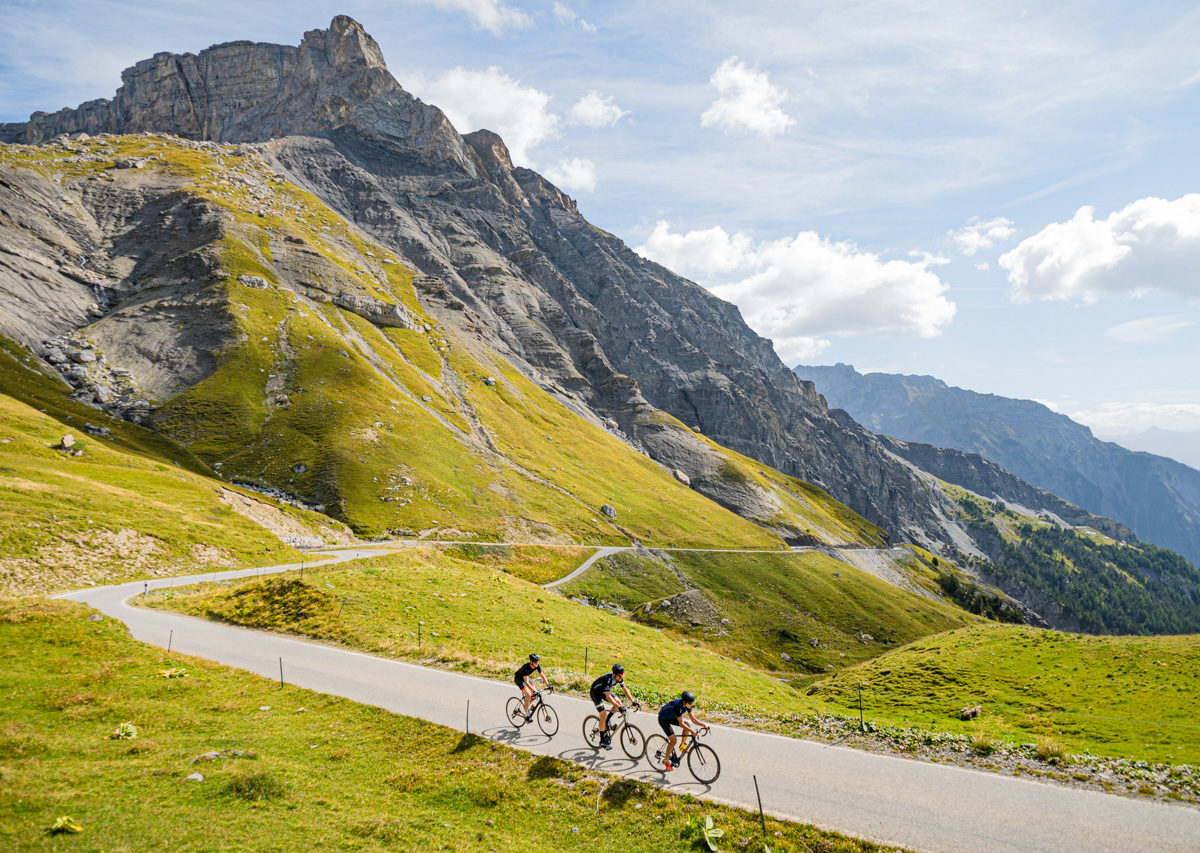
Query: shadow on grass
466	742
548	767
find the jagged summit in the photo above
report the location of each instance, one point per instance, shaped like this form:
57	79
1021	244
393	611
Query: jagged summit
246	91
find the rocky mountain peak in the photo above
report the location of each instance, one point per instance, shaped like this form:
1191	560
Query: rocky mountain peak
344	46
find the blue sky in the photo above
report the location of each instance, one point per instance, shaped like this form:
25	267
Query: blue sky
1000	194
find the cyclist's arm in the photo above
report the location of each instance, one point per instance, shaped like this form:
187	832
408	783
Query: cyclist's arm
542	673
628	695
612	698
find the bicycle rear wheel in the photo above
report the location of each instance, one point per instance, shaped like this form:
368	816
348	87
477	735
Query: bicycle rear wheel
703	762
591	731
516	711
656	752
633	741
547	720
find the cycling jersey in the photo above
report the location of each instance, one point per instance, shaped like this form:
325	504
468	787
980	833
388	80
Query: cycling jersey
672	711
525	672
606	683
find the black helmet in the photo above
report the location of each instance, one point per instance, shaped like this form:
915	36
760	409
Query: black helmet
618	669
688	696
535	657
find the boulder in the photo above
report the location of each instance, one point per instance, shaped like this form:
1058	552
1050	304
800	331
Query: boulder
253	281
102	393
54	355
68	441
609	510
82	356
785	657
682	477
970	712
490	381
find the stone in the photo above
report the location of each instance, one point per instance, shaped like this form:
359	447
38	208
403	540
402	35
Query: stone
194	777
78	372
130	163
67	442
82	356
256	281
609	510
682	477
814	642
810	691
94	617
490	381
970	712
425	398
299	468
785	657
54	355
867	638
102	393
206	756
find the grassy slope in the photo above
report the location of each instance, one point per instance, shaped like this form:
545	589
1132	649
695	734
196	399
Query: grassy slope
486	621
767	604
1035	683
320	772
500	462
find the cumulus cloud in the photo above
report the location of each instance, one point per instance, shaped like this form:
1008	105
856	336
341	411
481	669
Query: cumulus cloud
1148	329
800	291
491	15
1124	418
575	173
567	15
977	235
746	101
493	100
595	110
1151	245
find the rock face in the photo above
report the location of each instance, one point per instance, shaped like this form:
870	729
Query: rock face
1158	498
503	256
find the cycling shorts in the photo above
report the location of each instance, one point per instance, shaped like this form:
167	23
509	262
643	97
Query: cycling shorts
669	726
599	701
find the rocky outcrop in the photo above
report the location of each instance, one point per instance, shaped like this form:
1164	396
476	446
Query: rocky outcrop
1157	498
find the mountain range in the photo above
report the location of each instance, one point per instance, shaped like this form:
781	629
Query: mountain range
1158	498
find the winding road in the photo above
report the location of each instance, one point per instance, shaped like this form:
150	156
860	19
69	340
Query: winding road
913	804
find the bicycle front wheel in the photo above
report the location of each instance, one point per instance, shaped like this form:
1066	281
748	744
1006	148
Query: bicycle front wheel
633	741
547	720
516	711
591	731
703	762
656	752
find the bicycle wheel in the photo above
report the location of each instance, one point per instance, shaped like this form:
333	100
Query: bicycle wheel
516	711
703	762
633	741
656	752
591	731
547	720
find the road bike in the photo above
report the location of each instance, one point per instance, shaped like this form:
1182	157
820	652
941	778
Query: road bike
547	717
633	742
701	758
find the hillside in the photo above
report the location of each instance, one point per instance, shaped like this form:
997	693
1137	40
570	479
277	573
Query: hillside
1158	498
122	502
494	259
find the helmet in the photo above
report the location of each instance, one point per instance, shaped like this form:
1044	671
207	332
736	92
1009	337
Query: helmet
688	696
535	657
618	669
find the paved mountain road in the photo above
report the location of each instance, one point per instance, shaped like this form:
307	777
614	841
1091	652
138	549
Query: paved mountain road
913	804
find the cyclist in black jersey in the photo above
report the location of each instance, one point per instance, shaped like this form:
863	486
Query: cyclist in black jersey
670	717
523	678
603	690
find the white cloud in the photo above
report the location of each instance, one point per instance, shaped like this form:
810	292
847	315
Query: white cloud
595	110
1148	329
567	15
801	290
493	100
1150	245
746	101
983	266
982	235
573	174
1124	418
491	15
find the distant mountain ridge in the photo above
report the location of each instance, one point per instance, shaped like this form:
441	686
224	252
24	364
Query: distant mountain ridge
1158	498
1180	445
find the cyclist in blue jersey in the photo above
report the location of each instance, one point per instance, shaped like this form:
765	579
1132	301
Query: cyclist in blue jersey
671	716
524	680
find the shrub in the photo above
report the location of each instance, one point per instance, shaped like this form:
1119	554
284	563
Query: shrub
983	744
255	786
1050	751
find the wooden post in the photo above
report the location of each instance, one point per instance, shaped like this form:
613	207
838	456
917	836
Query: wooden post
281	672
862	727
170	639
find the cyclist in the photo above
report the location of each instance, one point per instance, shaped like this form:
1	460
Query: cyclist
671	715
603	690
523	678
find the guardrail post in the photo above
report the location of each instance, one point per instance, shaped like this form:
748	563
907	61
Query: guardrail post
761	817
170	639
281	672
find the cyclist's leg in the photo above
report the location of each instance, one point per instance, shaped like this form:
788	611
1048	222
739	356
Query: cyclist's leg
527	689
